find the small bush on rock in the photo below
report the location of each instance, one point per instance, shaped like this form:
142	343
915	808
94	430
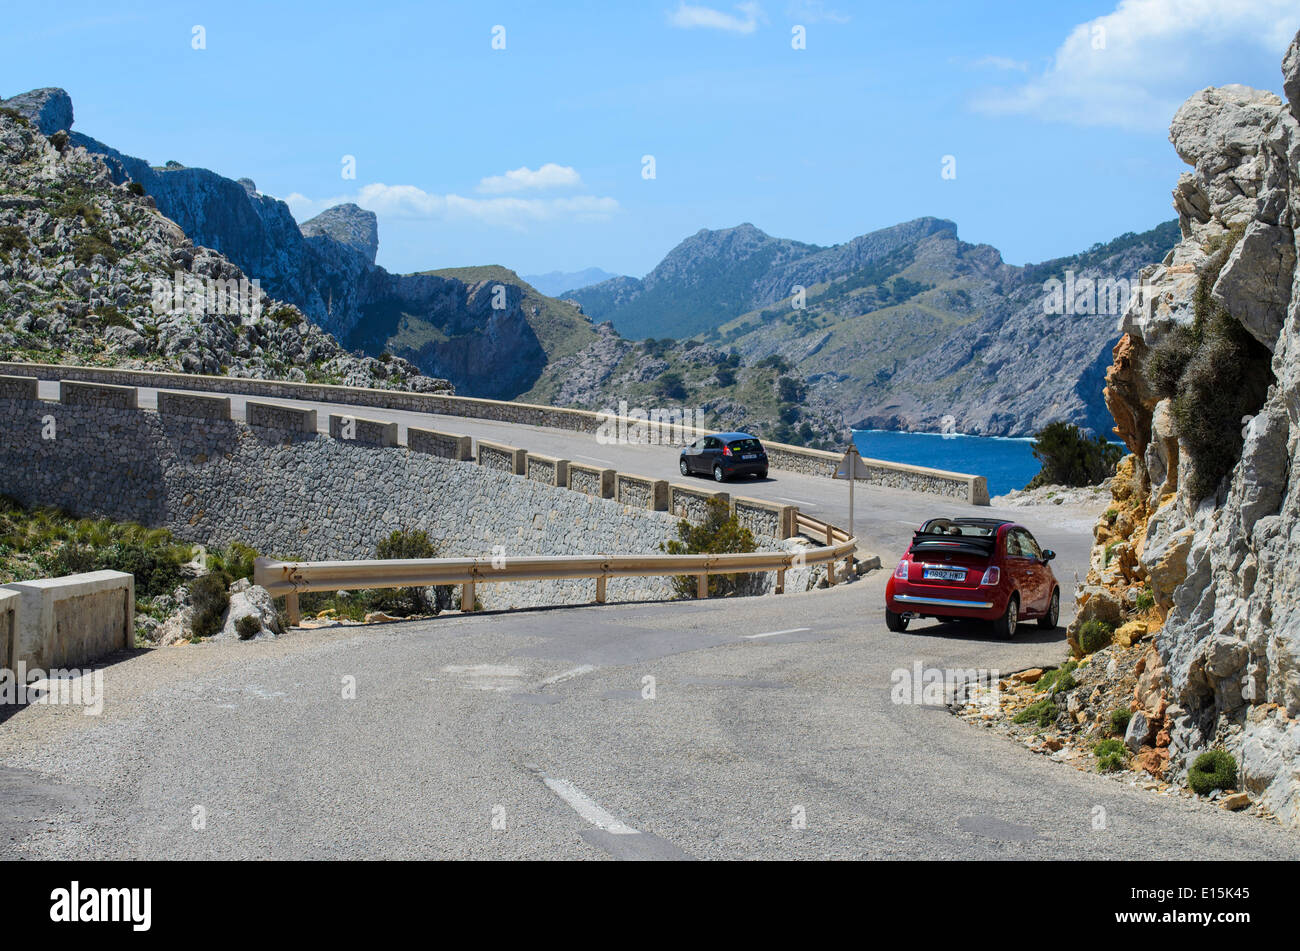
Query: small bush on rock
1119	719
1111	756
1095	634
1043	712
1213	770
1054	681
210	599
248	627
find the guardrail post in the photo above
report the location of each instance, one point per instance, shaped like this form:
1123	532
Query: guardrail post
600	589
780	581
291	606
702	586
830	571
467	596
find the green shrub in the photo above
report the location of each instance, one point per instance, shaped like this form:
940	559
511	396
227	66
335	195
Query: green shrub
157	570
1119	720
407	543
86	246
15	115
1213	770
1054	681
1225	381
718	534
236	561
1043	712
1094	634
135	188
1069	457
248	627
1167	360
210	599
1112	756
1145	600
59	140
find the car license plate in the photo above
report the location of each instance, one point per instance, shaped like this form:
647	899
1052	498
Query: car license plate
750	456
945	574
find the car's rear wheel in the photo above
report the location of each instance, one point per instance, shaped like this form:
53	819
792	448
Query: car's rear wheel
681	464
1005	626
763	474
718	475
895	622
1049	620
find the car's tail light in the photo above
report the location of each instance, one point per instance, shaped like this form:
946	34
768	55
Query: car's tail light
726	450
901	571
991	576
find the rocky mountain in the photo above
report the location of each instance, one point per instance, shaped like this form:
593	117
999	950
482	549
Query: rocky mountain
1205	390
326	269
563	283
91	272
764	397
903	328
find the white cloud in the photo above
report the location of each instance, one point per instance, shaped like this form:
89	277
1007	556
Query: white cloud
409	201
690	16
1133	67
524	178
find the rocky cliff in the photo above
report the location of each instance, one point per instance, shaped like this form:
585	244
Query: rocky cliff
903	328
327	270
91	272
1205	390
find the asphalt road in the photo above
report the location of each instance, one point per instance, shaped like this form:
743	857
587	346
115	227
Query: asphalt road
540	723
744	728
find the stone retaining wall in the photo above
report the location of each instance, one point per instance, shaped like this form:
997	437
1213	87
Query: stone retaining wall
313	497
970	488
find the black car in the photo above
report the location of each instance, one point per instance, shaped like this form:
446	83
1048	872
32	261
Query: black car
724	455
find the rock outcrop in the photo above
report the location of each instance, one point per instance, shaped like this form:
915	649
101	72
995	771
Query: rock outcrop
1205	390
91	272
327	270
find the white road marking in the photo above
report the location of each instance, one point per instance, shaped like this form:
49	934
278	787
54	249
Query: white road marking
594	459
586	807
497	677
811	505
793	630
567	675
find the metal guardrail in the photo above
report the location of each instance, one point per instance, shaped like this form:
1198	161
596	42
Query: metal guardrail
292	578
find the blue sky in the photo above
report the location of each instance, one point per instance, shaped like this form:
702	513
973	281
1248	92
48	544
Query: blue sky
531	156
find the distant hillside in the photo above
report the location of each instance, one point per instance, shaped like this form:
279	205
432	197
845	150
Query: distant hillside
903	328
326	269
563	283
447	319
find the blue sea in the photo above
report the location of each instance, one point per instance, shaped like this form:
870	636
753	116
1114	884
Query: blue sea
1006	463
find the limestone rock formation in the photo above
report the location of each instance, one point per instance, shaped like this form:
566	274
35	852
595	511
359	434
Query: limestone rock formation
1212	498
91	272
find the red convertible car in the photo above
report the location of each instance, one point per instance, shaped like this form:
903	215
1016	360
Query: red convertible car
974	568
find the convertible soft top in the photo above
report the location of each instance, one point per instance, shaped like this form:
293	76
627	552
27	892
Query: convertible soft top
969	536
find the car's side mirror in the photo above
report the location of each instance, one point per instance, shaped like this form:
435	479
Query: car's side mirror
1048	554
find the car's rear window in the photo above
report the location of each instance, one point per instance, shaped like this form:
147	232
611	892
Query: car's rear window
941	526
745	445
